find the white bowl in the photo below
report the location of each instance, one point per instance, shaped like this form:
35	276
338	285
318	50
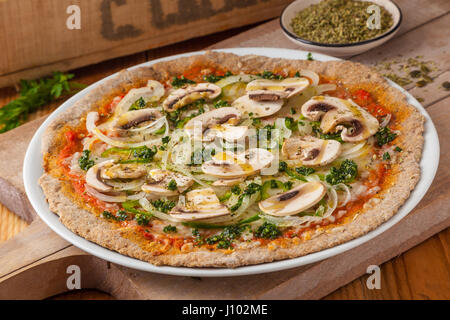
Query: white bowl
342	49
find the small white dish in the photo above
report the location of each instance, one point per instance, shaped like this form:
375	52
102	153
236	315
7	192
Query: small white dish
32	170
344	49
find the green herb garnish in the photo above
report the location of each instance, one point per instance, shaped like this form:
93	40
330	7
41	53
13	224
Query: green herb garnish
84	161
345	173
33	95
385	135
267	231
169	228
181	81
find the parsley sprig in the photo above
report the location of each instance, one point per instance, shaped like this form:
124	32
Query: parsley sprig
33	95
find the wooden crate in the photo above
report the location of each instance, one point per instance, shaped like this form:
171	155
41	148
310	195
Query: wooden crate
40	36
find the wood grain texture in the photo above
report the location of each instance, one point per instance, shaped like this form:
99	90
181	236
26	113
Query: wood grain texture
421	272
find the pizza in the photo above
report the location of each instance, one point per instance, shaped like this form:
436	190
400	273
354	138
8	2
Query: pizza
220	160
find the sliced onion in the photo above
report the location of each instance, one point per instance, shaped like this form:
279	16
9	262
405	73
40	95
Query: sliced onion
348	195
136	196
122	144
321	88
311	75
304	127
91	119
237	78
285	133
386	120
132	185
188	174
158	123
353	149
105	197
160	215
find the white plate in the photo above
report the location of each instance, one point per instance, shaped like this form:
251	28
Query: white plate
32	170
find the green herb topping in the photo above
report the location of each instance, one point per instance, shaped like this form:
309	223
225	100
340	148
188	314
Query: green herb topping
346	173
84	161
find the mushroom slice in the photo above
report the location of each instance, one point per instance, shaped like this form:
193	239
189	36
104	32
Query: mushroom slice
159	183
214	118
227	132
199	204
310	150
227	165
266	95
135	118
338	114
123	171
258	109
295	200
227	182
288	86
189	94
93	177
153	91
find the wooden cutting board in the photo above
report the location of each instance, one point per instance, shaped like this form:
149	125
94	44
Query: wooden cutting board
33	264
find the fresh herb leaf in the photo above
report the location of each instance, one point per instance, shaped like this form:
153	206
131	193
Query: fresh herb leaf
271	75
398	149
169	228
142	219
172	185
346	173
181	81
221	103
33	95
84	161
305	171
138	104
309	56
385	135
267	231
163	205
386	156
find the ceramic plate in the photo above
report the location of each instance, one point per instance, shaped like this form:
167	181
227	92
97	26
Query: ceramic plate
32	170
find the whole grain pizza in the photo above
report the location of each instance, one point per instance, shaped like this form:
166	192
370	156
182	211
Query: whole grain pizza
219	160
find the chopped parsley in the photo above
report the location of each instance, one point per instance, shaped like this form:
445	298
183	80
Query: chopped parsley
386	156
120	216
309	56
327	136
214	78
84	161
181	81
267	231
385	135
398	149
221	103
270	75
346	173
172	185
169	228
283	167
138	104
163	205
226	237
251	189
142	219
305	171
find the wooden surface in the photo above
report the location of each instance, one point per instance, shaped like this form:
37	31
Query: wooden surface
35	39
422	272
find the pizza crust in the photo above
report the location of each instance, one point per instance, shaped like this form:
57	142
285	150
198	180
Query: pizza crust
100	231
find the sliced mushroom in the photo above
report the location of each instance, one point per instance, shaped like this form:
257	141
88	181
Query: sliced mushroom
266	95
136	118
295	200
153	91
310	150
184	96
93	177
288	86
338	114
257	109
214	118
226	132
227	165
199	204
123	171
159	183
227	182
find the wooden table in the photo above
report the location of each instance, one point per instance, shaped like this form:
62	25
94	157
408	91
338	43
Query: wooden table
419	273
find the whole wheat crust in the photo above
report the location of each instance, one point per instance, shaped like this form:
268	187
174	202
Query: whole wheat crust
100	231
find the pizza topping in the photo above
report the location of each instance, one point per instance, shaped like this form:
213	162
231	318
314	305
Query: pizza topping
150	93
227	182
200	204
227	165
295	200
166	183
355	123
135	118
93	177
122	171
266	95
311	151
189	94
287	87
257	109
220	121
